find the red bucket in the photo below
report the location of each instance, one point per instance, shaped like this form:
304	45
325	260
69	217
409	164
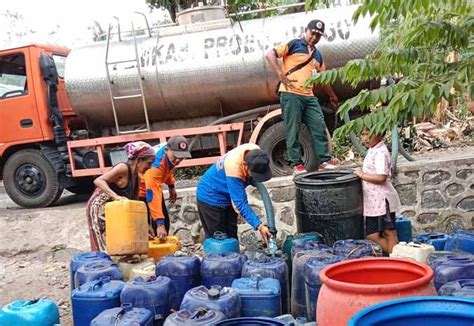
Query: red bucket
352	285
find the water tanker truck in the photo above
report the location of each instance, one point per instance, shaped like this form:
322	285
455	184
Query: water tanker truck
65	115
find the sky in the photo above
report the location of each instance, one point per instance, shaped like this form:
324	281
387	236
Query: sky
69	18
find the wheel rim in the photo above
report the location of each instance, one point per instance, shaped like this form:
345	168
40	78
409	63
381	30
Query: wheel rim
30	180
280	157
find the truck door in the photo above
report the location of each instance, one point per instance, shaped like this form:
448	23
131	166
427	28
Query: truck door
19	121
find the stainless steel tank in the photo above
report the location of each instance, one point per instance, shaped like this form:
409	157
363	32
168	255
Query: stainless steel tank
202	69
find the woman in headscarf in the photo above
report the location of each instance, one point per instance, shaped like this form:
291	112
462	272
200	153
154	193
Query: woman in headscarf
119	183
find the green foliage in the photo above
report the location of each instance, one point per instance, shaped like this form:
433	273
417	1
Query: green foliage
233	6
417	37
171	5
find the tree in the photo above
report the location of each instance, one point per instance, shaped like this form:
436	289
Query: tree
418	37
233	6
171	5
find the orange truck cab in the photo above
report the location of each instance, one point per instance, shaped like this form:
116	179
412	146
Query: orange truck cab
35	121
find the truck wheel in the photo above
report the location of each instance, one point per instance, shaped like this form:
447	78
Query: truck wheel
30	180
273	142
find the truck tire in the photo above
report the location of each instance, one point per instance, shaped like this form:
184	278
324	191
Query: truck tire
272	141
30	180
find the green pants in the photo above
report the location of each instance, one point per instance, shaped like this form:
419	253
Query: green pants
306	109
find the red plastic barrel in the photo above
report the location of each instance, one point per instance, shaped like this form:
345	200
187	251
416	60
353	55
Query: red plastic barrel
353	285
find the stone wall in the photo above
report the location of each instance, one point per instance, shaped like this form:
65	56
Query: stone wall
437	195
185	220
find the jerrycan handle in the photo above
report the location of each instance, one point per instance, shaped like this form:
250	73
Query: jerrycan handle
467	284
201	312
30	302
416	244
158	240
218	235
123	309
99	283
436	235
149	268
255	280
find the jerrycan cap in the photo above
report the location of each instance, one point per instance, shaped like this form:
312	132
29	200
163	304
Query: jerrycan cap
213	293
218	235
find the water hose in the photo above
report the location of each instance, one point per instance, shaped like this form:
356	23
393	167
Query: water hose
238	115
355	141
267	203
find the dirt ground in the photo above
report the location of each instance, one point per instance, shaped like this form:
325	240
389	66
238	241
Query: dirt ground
36	246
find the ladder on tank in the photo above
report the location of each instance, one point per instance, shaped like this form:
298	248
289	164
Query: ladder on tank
113	98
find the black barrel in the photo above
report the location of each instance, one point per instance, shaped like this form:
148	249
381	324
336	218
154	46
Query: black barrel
330	203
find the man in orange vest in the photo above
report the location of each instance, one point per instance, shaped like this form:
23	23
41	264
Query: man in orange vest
168	156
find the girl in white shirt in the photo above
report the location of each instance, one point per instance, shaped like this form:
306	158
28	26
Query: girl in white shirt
381	200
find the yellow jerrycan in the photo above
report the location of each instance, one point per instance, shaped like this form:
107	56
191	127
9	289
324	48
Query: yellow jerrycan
126	227
160	248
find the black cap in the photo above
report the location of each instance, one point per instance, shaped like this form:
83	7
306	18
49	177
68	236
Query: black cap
259	165
180	147
317	26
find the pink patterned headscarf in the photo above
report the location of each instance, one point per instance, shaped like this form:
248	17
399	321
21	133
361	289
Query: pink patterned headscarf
139	149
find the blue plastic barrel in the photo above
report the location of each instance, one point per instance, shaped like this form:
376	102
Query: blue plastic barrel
460	288
350	248
403	227
155	294
460	240
184	272
200	317
126	315
260	297
91	298
436	239
272	267
42	312
220	243
221	269
82	258
226	300
252	321
94	271
432	311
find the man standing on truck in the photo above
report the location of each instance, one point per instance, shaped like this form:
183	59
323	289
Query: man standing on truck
301	59
221	192
168	156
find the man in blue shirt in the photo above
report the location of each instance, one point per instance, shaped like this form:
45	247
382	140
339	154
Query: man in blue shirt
221	191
